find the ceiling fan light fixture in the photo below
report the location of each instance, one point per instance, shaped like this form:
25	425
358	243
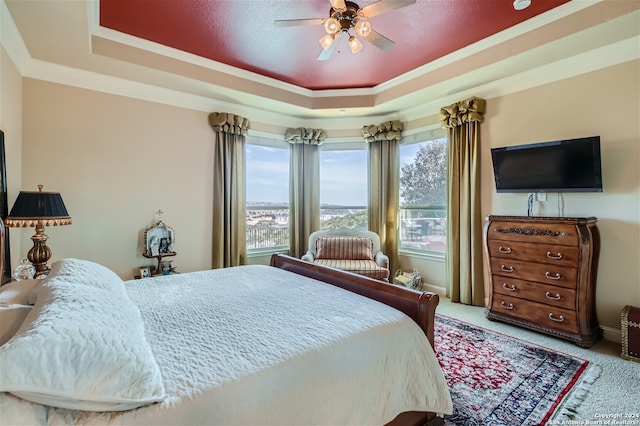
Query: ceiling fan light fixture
363	28
332	26
355	45
521	4
327	40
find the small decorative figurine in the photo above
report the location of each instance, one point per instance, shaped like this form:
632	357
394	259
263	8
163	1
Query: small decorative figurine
25	270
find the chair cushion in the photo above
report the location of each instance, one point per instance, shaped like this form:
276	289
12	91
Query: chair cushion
368	268
341	247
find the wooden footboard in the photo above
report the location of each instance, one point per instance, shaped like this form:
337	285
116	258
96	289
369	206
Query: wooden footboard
419	306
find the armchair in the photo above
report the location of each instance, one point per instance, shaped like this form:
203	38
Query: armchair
350	250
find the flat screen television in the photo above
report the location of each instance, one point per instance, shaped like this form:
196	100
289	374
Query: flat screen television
571	165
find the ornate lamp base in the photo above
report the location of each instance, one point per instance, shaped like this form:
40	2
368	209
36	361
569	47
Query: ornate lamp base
40	253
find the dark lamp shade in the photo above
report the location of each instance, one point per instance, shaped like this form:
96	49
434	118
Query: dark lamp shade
32	208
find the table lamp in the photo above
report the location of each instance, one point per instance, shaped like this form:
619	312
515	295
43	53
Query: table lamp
39	209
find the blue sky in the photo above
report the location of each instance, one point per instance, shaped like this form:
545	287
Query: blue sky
343	175
267	174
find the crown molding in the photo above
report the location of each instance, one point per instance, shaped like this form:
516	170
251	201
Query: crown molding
11	40
95	29
529	25
431	98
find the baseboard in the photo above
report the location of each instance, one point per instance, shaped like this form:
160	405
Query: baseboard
608	333
434	289
612	334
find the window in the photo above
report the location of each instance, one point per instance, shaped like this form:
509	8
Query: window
343	188
267	195
423	196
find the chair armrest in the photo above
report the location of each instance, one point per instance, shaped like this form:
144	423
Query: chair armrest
308	256
382	260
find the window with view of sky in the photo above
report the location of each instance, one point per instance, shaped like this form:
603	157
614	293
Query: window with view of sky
423	196
343	189
343	193
267	197
343	178
267	175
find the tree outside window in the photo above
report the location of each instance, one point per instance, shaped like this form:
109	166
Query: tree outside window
423	196
343	194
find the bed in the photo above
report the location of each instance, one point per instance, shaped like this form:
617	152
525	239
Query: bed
279	344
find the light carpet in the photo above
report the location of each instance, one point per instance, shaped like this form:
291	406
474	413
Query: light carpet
613	395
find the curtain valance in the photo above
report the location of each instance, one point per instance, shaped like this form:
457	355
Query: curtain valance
466	111
229	123
386	131
305	135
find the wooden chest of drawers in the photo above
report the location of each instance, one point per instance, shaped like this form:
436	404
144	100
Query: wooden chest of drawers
542	273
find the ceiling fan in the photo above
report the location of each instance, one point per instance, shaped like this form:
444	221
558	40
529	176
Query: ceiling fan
348	19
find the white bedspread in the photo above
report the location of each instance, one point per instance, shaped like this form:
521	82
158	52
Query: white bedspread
257	345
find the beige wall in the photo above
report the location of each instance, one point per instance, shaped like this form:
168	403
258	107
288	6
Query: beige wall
117	160
604	103
11	125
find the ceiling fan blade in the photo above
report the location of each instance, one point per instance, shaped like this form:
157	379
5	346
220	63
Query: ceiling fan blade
339	5
326	53
298	22
379	41
383	6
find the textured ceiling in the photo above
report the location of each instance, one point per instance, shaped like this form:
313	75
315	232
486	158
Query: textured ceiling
242	34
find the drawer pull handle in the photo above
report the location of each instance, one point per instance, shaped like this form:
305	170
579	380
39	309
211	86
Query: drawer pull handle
550	296
557	276
554	256
510	288
504	250
505	269
509	306
560	319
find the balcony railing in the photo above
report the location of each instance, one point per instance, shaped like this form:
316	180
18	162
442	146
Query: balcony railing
267	237
267	226
423	228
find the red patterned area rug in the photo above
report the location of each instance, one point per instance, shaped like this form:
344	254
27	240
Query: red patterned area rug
496	379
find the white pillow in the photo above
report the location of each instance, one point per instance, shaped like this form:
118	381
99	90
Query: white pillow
78	271
11	318
17	292
82	347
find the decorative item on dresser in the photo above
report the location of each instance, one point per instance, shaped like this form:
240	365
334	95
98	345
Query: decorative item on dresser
543	274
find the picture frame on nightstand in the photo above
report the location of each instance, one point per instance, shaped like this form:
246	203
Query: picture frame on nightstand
145	272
